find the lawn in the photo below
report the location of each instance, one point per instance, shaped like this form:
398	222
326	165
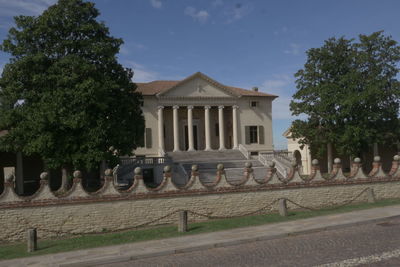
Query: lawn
16	250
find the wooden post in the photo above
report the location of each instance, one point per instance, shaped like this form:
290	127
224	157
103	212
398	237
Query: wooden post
183	221
282	207
371	195
32	239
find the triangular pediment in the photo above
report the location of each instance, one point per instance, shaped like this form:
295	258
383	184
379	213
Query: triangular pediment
198	85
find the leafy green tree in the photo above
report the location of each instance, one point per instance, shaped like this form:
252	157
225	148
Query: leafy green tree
64	96
350	95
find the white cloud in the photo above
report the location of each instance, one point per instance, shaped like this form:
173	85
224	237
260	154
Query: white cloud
281	85
141	73
280	108
198	15
293	50
127	48
278	83
156	3
23	7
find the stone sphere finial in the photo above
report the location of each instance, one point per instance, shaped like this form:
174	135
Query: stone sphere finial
337	161
357	160
248	165
271	164
396	157
377	159
9	178
77	174
220	167
195	167
138	171
315	162
167	168
44	176
108	172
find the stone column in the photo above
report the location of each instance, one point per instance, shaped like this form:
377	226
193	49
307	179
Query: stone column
19	174
234	127
176	128
207	127
221	128
160	129
190	127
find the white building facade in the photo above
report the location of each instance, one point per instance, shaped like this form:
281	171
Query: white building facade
199	113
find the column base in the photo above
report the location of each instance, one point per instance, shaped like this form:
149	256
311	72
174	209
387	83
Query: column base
176	150
191	150
208	149
221	148
235	147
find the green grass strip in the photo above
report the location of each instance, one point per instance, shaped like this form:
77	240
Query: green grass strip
16	250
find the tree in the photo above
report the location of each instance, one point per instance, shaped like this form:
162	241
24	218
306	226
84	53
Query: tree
64	96
350	95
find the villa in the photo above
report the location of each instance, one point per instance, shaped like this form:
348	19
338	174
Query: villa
201	114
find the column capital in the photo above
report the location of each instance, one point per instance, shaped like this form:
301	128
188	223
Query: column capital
160	107
175	107
220	107
189	107
207	107
235	106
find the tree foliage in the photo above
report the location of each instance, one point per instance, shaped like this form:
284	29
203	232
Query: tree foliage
350	94
63	94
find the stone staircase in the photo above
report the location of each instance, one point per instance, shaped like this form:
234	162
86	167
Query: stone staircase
207	161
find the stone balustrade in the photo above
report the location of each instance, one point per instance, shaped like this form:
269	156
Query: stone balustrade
76	212
139	190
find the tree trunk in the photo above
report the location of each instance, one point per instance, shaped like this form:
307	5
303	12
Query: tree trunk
64	178
376	150
330	159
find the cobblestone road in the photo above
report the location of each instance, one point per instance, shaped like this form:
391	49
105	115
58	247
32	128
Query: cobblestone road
374	244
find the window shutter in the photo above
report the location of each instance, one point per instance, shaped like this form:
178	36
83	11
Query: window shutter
247	134
261	134
148	138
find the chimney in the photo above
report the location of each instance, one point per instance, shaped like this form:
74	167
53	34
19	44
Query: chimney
255	89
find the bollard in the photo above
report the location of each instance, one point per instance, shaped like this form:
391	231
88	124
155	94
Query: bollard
32	240
371	195
282	207
183	221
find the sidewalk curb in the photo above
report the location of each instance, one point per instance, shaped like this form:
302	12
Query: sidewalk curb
120	258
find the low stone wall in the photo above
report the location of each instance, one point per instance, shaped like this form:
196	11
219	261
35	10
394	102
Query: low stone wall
77	212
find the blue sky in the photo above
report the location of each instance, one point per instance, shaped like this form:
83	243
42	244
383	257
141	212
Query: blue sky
239	43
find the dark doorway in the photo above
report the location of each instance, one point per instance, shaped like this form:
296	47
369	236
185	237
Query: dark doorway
194	137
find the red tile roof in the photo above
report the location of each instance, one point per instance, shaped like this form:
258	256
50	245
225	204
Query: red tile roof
156	87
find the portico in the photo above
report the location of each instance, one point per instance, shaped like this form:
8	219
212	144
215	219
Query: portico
191	127
200	114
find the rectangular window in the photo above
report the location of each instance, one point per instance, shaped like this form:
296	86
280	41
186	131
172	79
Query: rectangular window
253	134
216	129
253	104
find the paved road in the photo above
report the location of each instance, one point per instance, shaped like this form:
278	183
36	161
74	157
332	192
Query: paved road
374	244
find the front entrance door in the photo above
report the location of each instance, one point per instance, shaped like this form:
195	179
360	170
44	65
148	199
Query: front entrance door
194	137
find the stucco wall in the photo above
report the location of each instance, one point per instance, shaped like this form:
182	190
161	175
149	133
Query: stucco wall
96	217
253	116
